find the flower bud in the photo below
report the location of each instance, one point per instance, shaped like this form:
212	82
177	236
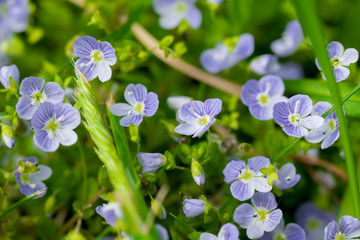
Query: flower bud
198	173
193	207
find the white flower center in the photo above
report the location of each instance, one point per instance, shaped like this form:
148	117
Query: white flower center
261	214
203	120
335	62
37	99
139	108
263	97
332	124
52	126
246	175
97	56
181	7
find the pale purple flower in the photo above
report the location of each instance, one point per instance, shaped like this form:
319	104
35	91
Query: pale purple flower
9	71
193	207
227	232
197	173
54	124
260	96
269	64
140	104
245	179
175	102
328	132
8	141
14	17
151	162
197	117
259	218
340	60
292	231
223	57
293	116
95	58
200	179
110	212
31	183
290	41
312	220
349	228
172	12
34	93
287	177
163	233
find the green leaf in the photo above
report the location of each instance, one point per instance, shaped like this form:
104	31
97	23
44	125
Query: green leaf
194	235
166	42
97	20
134	133
271	174
103	178
180	49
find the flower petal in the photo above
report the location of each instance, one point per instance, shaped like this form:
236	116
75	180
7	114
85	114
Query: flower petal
232	170
203	129
208	236
151	104
291	71
193	17
151	162
187	129
193	207
261	112
229	232
83	46
255	163
335	49
53	92
9	71
329	140
24	108
135	93
67	115
249	92
260	184
312	122
108	52
212	59
212	106
170	20
330	231
255	230
244	215
320	108
135	119
295	131
190	112
242	190
350	226
104	71
163	233
273	220
341	73
43	174
272	84
42	140
302	104
264	200
294	232
67	137
244	48
45	112
88	68
351	55
31	85
120	109
265	64
317	135
281	113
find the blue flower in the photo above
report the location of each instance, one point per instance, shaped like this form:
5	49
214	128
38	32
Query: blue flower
197	116
54	124
340	60
328	133
7	135
193	207
293	116
163	233
14	17
31	183
151	162
110	212
287	177
269	64
173	11
312	220
141	104
9	71
290	41
292	231
227	232
245	179
262	216
95	58
260	96
224	56
349	228
34	93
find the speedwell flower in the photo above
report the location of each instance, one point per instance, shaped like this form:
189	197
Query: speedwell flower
349	228
95	58
245	179
227	232
328	133
162	231
292	231
340	60
290	41
269	64
293	116
141	104
312	220
172	12
193	207
287	177
9	71
262	216
34	93
260	96
31	183
7	135
151	162
227	53
54	124
110	212
197	116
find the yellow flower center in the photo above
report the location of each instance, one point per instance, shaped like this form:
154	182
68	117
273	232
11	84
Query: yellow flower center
294	119
203	121
263	99
97	56
313	224
138	108
181	7
335	62
332	124
52	126
339	236
261	214
38	98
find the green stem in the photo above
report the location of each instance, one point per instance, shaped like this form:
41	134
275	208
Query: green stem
190	229
84	172
4	188
22	201
312	27
209	134
104	233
